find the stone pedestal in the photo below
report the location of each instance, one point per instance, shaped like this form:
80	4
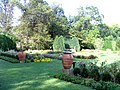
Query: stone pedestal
22	61
68	71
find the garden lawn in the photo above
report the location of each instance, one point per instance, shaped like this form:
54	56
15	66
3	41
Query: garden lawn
33	76
103	56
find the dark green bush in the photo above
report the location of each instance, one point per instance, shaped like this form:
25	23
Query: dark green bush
87	46
92	57
76	71
101	85
9	55
117	77
54	52
6	43
86	57
84	72
13	60
9	59
94	73
106	76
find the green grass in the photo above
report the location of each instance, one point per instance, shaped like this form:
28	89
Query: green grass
33	76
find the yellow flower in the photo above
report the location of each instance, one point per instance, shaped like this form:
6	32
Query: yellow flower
42	60
35	60
38	60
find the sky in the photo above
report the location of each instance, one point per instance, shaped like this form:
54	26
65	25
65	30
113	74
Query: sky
109	8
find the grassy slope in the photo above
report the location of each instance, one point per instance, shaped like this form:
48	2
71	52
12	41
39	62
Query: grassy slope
33	76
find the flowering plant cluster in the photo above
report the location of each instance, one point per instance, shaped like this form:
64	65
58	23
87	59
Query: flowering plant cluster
43	60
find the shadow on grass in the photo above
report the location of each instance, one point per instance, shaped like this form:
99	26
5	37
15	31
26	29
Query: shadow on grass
33	76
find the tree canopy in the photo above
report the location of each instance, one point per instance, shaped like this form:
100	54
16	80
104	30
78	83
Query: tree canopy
40	23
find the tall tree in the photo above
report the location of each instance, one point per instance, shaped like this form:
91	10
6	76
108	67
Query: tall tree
85	24
6	14
34	24
115	31
58	24
86	18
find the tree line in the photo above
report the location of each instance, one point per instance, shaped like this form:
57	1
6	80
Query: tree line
40	23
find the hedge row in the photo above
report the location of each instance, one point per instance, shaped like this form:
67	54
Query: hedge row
9	55
9	59
101	85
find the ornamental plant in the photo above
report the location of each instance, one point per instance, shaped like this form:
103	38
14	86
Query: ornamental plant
72	43
58	43
61	43
97	85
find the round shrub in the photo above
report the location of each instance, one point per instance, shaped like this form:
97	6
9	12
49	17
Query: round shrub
106	76
84	72
76	71
76	44
95	74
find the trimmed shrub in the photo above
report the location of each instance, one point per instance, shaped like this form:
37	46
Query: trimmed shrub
84	72
94	73
9	55
106	76
61	45
72	43
9	59
58	43
76	71
55	43
75	44
101	85
6	43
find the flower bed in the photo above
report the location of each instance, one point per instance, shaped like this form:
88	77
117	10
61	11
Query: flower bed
43	60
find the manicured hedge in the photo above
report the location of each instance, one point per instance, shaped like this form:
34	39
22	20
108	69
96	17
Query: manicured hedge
61	43
72	43
101	85
9	55
9	59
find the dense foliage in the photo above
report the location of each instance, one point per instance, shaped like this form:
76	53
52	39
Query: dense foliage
59	43
6	43
103	72
62	43
40	23
101	85
72	43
